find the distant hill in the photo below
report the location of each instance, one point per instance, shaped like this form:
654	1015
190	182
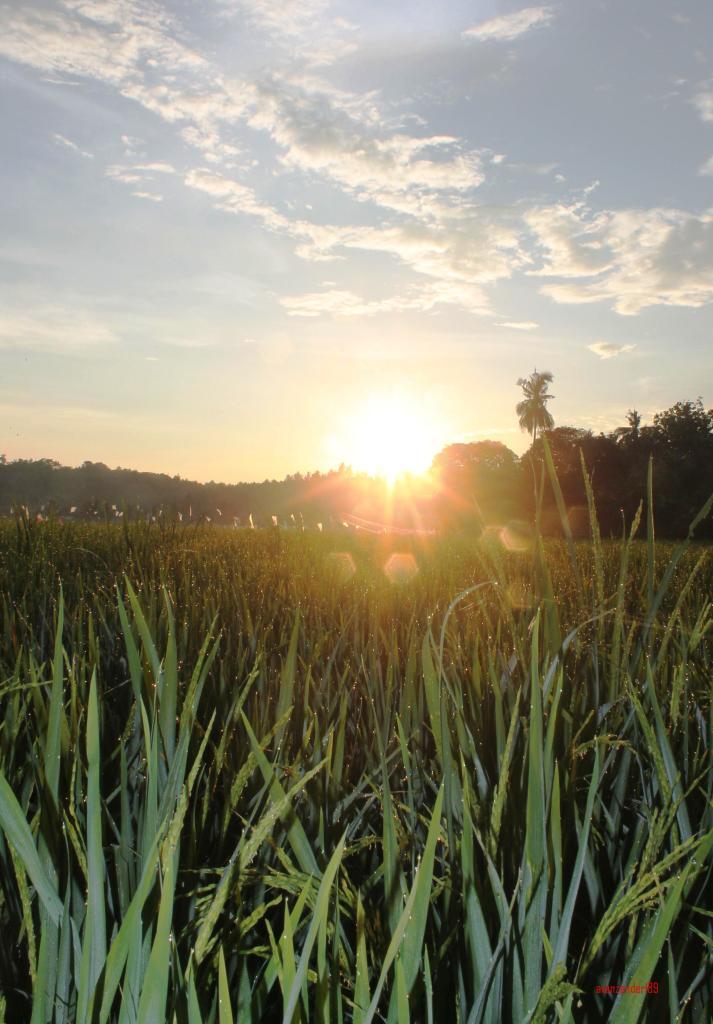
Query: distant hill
94	491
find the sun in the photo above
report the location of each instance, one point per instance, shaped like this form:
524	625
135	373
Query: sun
390	436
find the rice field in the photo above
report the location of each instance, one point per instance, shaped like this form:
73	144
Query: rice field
266	776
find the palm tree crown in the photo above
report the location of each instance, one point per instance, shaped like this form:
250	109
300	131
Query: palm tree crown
629	434
532	412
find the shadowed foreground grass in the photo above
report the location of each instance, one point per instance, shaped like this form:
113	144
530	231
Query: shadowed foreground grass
248	777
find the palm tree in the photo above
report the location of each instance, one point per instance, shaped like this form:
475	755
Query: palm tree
631	433
532	412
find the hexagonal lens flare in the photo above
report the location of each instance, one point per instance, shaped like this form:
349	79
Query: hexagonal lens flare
401	568
343	565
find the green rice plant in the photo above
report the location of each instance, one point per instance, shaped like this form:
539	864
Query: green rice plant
238	786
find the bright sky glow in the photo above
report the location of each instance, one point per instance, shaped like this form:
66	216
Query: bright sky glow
390	436
225	224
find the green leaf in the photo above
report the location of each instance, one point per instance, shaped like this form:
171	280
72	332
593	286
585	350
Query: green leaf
94	938
319	919
626	1009
412	920
225	1013
152	1005
17	831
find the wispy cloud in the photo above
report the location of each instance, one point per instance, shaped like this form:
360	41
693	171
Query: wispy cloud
507	27
143	175
292	17
305	27
233	197
703	101
459	257
632	258
520	325
135	47
608	350
417	190
341	136
572	239
707	168
335	302
418	298
126	175
56	330
65	143
424	181
158	167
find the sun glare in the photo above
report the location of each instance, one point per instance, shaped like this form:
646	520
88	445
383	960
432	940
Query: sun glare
391	436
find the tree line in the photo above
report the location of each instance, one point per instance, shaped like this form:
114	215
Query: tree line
678	444
471	486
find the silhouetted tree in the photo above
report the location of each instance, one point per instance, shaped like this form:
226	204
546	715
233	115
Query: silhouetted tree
629	434
686	426
480	480
606	464
532	411
681	442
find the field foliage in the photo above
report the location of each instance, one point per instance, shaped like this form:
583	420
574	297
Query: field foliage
253	776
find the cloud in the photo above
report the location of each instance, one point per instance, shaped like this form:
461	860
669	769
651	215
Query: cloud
291	17
156	168
126	175
417	190
520	325
631	258
340	136
425	181
573	241
131	143
233	197
507	27
703	101
336	302
208	138
135	47
304	28
457	247
418	298
106	41
707	167
608	350
62	140
140	174
55	330
458	257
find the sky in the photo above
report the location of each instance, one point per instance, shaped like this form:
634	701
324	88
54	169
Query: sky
229	227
